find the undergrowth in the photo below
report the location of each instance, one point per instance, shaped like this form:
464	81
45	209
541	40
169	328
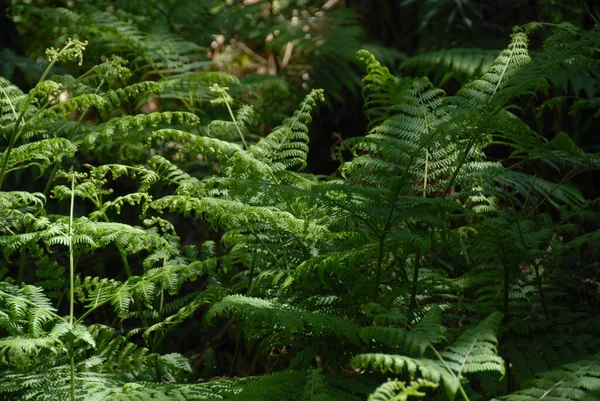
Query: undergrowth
423	270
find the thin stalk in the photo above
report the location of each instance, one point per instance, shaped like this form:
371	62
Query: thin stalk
55	168
538	280
72	287
236	354
50	180
402	269
135	298
237	127
71	260
426	173
506	281
72	375
571	174
461	161
251	273
413	294
10	103
21	267
460	387
158	334
269	251
378	267
125	262
536	267
382	236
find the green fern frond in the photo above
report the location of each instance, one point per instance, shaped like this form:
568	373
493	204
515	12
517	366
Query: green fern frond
51	277
287	146
571	382
198	145
27	316
77	103
461	64
125	125
42	154
263	316
475	349
529	356
499	75
427	332
114	98
18	209
376	83
398	391
412	368
12	102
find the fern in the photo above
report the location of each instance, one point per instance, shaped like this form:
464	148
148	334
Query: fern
575	381
396	391
461	64
189	220
474	351
270	315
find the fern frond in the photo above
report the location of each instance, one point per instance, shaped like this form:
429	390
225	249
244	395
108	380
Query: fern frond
125	125
475	349
28	318
499	75
412	368
42	154
12	102
398	391
571	382
287	146
18	209
427	332
528	356
462	64
263	316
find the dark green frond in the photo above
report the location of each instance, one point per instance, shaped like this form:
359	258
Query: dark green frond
571	382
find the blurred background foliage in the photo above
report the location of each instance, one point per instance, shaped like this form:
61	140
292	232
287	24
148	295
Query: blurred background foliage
272	52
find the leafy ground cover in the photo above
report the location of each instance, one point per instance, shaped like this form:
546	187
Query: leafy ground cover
160	239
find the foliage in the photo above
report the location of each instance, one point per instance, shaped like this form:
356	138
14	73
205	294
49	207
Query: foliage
425	269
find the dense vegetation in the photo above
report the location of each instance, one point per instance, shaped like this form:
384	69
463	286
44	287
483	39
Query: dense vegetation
161	241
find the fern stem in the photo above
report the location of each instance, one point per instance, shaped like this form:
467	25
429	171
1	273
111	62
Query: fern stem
21	267
251	273
10	103
506	281
461	161
135	297
535	264
237	127
269	251
72	368
402	269
378	267
71	286
50	179
538	280
571	174
413	294
236	353
460	387
425	178
383	234
71	260
125	262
